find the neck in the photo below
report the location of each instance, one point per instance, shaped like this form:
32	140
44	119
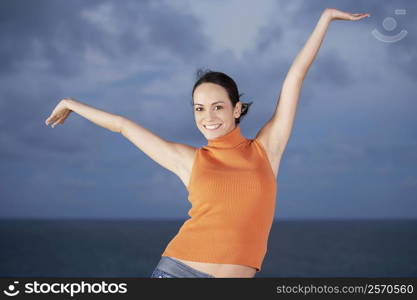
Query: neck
228	140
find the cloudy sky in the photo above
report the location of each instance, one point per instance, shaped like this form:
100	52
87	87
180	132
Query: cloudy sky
352	152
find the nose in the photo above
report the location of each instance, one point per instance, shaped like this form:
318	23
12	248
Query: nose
209	115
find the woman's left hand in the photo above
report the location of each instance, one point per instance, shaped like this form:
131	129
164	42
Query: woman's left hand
335	14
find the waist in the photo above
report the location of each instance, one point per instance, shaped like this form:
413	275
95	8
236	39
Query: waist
221	270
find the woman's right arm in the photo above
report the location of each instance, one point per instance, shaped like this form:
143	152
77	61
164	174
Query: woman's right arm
168	154
99	117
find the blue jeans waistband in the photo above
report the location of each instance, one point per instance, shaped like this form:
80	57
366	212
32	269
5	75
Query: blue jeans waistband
179	269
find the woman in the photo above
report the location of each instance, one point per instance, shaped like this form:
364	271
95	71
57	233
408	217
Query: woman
232	180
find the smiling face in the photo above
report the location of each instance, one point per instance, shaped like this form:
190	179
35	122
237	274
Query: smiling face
212	106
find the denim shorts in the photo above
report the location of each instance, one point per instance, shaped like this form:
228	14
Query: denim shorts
169	267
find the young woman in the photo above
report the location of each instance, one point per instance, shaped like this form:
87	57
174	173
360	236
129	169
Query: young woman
232	180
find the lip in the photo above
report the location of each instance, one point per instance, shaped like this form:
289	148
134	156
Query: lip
211	125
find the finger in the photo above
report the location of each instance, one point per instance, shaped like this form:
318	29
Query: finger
48	120
51	119
64	117
358	17
56	122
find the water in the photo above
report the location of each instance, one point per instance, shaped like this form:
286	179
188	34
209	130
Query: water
90	248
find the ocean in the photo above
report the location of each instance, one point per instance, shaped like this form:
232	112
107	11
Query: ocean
132	248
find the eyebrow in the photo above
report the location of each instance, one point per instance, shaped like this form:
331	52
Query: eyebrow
211	104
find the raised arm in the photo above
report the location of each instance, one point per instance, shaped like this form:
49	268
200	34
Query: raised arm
275	133
99	117
168	154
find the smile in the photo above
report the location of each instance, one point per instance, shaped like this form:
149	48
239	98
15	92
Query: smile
212	127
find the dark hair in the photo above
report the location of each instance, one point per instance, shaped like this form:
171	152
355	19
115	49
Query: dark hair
225	81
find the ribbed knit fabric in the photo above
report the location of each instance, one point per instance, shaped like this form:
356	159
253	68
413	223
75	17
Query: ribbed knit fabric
232	192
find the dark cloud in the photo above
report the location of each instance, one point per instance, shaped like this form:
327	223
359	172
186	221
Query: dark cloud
50	29
58	32
264	38
331	68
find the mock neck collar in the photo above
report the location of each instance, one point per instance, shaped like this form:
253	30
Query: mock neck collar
228	140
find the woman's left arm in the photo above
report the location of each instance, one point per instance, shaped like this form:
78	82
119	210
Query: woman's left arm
276	132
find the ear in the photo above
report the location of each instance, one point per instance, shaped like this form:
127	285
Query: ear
238	109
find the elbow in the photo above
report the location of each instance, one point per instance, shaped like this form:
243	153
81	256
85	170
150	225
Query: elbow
297	74
119	124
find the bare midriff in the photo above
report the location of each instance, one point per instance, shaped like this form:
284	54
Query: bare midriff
221	270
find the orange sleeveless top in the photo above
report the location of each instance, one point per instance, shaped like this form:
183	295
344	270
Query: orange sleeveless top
232	192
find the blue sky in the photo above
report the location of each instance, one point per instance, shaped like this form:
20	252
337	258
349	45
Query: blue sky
352	152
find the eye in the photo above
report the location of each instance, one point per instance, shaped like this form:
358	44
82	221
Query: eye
198	108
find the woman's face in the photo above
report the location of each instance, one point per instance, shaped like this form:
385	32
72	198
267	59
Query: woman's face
212	106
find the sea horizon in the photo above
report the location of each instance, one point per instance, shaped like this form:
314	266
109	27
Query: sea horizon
114	247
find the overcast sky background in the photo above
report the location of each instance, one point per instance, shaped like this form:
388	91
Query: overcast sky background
352	152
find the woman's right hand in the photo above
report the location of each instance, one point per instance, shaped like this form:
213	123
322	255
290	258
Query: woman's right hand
59	114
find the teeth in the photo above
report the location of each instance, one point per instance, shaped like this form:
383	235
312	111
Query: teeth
211	127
